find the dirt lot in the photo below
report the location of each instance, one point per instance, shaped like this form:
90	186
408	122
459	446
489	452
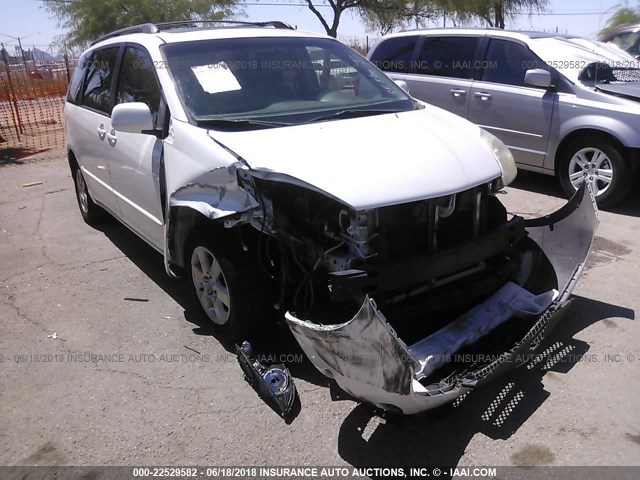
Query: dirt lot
105	362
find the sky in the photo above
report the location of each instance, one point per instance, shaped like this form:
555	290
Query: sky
37	27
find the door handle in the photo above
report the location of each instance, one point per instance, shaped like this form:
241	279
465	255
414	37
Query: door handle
482	95
112	138
458	92
101	131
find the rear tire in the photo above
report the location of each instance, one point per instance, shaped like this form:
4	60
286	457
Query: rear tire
601	163
91	213
230	290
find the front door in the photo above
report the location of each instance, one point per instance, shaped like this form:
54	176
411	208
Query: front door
501	103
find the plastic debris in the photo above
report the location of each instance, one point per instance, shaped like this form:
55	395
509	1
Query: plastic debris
274	383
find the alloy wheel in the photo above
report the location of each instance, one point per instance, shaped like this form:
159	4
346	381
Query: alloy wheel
211	285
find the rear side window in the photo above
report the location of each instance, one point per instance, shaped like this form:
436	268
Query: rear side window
73	93
448	57
507	62
394	55
97	88
137	82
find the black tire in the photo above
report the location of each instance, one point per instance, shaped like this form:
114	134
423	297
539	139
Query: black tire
91	213
249	299
597	155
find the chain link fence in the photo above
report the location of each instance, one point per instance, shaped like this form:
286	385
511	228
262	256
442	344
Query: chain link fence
32	96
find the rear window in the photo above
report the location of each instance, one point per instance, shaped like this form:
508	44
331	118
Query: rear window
394	55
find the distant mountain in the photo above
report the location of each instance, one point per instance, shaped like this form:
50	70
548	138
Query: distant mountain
41	56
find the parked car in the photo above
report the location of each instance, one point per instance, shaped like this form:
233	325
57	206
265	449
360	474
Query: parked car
627	38
563	105
366	219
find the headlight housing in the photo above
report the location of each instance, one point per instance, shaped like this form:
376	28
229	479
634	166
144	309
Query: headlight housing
503	156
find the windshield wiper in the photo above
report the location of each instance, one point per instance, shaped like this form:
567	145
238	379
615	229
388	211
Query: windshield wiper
240	123
350	113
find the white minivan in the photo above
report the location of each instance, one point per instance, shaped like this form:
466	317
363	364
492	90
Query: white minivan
284	175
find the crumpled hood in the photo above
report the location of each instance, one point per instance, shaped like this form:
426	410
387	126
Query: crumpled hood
374	161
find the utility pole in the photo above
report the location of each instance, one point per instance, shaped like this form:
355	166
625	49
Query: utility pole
33	57
24	60
12	96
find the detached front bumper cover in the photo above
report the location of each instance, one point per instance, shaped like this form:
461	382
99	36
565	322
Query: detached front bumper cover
369	361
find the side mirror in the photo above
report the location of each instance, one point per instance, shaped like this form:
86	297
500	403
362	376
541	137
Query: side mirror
403	85
538	77
132	117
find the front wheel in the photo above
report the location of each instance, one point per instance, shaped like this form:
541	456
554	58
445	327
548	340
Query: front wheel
231	293
598	162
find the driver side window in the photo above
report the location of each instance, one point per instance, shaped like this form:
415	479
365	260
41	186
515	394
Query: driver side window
137	81
507	63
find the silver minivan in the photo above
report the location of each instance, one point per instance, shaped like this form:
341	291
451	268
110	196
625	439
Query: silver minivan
564	105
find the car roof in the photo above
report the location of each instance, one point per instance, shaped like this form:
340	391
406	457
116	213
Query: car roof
190	34
628	28
149	35
494	32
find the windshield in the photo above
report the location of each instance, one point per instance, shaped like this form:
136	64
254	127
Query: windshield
278	81
628	41
581	59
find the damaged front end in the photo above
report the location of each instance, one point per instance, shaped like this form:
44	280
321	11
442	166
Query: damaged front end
406	305
432	325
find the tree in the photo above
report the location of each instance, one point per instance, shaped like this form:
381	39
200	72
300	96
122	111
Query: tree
386	16
493	12
85	20
338	7
624	15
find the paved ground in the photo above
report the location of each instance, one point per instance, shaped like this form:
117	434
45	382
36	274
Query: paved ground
148	397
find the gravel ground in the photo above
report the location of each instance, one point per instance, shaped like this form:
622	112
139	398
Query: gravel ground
161	389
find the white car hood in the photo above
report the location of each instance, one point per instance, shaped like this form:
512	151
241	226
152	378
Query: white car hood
374	161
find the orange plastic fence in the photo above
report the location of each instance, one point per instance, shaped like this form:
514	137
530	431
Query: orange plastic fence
31	113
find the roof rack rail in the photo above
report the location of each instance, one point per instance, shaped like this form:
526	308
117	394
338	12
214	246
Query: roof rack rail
142	28
155	28
271	23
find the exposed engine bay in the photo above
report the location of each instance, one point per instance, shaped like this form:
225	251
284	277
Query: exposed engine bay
326	253
410	305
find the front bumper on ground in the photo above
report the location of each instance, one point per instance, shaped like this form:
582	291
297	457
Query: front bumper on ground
369	361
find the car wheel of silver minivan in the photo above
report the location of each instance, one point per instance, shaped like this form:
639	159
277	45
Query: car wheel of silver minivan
598	162
91	213
228	289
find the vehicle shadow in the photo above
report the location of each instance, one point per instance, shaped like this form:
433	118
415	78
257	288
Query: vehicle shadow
277	342
546	185
440	437
433	438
